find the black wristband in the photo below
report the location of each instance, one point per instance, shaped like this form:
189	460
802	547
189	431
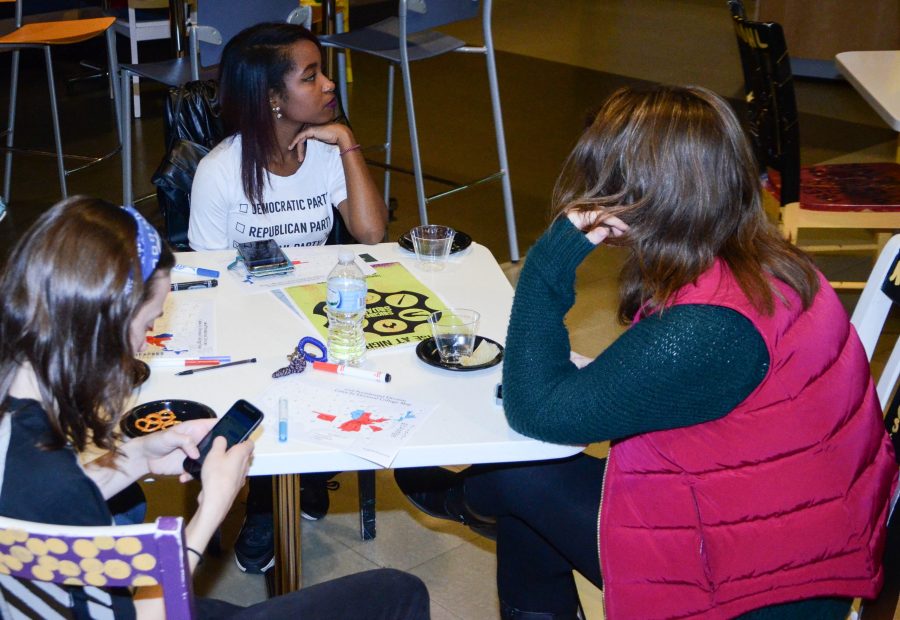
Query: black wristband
197	553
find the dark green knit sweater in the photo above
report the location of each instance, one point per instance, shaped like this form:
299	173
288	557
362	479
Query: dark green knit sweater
691	364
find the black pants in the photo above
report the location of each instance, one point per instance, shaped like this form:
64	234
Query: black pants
547	526
383	594
259	494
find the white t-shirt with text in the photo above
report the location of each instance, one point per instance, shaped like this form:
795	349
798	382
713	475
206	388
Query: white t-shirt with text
295	210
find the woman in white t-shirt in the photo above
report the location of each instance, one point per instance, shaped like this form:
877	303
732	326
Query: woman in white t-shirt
286	162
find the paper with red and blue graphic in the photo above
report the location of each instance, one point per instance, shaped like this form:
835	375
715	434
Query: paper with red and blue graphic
366	423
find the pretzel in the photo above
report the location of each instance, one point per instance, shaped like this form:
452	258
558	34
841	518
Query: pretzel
157	421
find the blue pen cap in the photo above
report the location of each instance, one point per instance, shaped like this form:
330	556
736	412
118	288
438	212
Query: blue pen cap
208	273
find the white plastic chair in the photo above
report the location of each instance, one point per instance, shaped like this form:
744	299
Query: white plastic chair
882	289
872	310
138	27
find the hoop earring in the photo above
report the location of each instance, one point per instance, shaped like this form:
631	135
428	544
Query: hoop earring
276	110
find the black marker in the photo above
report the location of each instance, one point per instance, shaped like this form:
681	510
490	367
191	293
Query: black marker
184	286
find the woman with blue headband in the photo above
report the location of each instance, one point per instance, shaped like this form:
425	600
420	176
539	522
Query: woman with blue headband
79	292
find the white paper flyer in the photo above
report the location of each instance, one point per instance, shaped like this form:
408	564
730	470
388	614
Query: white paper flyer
368	424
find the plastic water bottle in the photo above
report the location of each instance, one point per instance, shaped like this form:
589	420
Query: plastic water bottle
345	305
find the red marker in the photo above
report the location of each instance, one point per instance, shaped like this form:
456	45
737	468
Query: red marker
350	371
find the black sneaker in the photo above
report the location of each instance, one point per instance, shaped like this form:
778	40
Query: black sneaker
254	550
439	492
314	501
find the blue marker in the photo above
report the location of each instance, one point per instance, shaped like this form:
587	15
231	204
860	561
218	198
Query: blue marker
282	419
197	271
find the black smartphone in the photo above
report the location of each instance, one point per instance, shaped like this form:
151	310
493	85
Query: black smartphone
263	257
235	426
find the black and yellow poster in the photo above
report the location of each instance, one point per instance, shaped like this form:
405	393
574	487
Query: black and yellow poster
397	307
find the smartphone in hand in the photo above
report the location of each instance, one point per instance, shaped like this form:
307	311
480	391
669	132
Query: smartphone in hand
235	426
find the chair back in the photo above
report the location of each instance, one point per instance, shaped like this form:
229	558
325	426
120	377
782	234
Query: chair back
771	103
35	556
220	20
881	292
427	14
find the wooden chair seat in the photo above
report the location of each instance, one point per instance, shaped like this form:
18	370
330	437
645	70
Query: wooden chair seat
59	32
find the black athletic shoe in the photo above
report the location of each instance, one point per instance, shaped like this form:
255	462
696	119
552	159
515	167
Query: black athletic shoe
314	501
254	550
439	492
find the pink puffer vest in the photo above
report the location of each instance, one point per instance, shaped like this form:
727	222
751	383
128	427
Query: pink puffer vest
783	499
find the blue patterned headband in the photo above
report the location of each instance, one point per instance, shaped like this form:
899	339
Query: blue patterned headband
149	246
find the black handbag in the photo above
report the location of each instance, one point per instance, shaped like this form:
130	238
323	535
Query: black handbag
193	112
193	126
173	180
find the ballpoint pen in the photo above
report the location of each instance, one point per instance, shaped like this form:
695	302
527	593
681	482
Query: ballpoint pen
184	286
252	360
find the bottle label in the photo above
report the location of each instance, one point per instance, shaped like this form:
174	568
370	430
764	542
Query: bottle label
346	300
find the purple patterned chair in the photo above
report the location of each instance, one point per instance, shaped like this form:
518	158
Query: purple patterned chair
38	563
842	196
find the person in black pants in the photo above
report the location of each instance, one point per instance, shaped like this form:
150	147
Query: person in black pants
286	155
749	472
77	297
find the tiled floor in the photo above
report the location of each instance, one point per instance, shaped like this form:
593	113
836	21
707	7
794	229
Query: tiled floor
556	62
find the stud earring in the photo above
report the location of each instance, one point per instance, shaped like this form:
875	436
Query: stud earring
276	110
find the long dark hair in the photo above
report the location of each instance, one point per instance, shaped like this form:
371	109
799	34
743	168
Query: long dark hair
67	312
254	63
676	166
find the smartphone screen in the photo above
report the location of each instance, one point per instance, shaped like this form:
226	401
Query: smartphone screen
235	426
261	254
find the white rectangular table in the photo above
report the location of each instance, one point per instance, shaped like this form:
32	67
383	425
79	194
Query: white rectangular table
876	75
467	426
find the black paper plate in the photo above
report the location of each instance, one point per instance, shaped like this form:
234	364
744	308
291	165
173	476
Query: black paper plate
428	353
136	422
460	242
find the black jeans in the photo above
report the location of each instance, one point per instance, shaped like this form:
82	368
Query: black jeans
383	594
259	494
546	526
547	518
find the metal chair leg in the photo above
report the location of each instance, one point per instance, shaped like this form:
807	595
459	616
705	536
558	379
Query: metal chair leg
342	67
125	116
113	60
57	137
498	130
411	118
388	134
10	126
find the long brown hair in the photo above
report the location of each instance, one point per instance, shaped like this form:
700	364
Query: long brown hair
67	311
254	63
675	165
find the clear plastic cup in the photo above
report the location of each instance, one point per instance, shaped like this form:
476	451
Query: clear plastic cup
454	332
432	245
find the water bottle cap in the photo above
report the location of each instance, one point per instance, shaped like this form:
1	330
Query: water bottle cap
345	256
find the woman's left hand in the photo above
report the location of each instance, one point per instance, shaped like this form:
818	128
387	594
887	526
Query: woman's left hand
165	450
329	133
610	226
